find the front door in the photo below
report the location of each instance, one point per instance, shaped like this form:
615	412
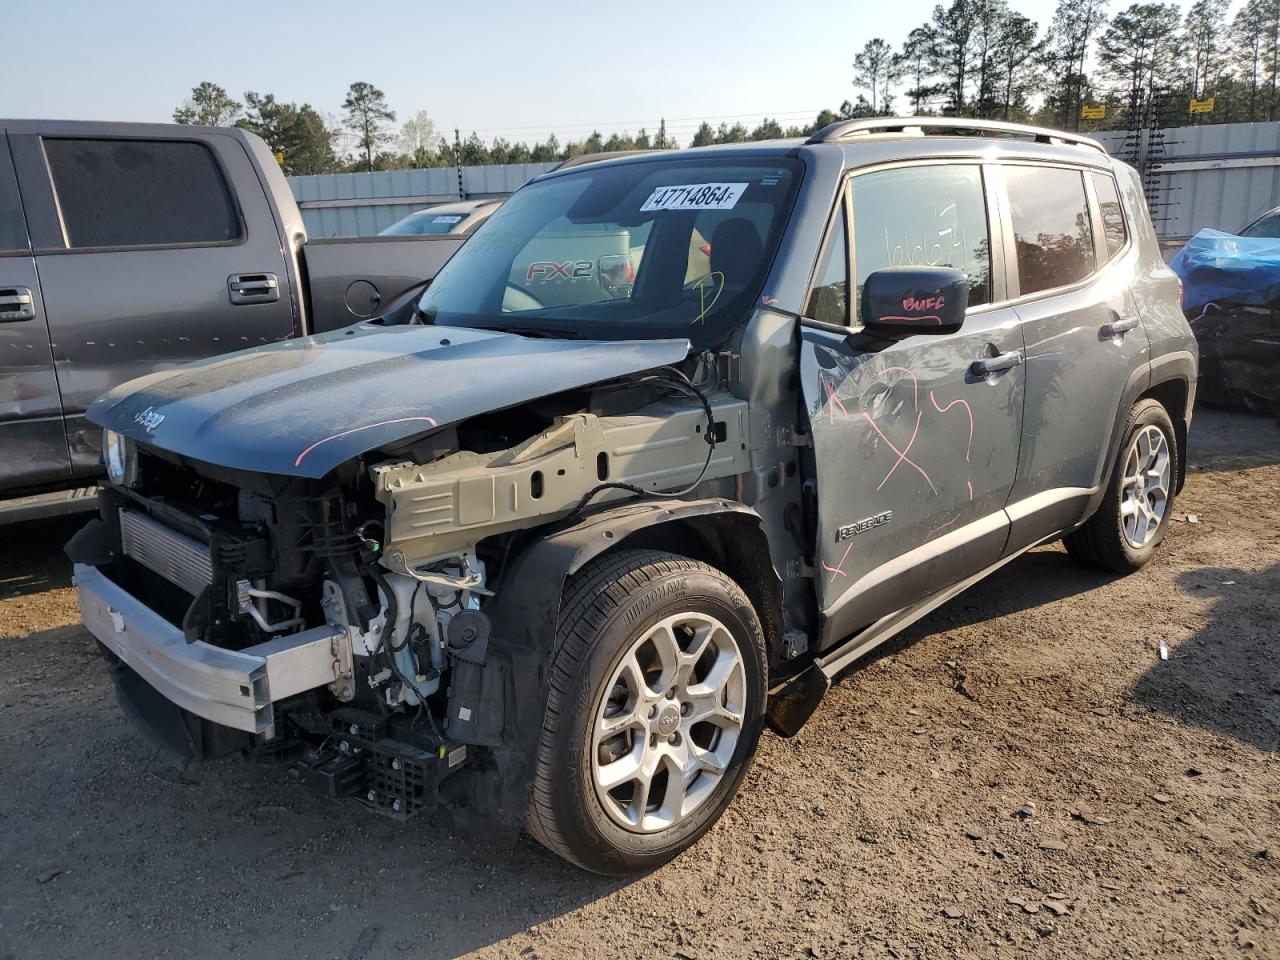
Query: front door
915	449
33	442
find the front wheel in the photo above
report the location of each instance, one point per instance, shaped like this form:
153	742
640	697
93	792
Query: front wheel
657	696
1135	512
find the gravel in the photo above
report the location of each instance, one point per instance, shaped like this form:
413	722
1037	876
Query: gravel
1043	689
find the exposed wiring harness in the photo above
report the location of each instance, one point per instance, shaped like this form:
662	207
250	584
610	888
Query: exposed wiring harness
670	377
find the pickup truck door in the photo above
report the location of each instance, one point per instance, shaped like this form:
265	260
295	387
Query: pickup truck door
33	441
915	439
153	251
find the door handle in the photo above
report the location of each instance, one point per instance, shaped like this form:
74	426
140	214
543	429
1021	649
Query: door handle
1117	327
990	365
253	288
16	303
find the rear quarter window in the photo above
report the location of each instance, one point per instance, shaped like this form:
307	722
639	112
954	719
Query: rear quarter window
1051	227
125	193
1113	229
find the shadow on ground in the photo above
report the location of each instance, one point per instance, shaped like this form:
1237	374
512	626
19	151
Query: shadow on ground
31	557
1226	677
1035	579
1223	440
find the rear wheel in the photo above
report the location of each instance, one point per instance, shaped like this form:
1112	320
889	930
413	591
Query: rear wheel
656	704
1135	511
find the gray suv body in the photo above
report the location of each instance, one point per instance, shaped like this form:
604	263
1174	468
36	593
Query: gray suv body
557	566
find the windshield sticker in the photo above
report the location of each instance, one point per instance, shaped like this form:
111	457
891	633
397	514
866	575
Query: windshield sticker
447	218
695	196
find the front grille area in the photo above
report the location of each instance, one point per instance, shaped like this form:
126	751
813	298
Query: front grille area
173	555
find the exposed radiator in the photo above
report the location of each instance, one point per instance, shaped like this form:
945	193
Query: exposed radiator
175	556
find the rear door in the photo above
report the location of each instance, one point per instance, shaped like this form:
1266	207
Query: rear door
153	251
1073	265
33	443
915	452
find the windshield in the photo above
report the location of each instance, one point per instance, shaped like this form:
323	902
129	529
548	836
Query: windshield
422	223
673	248
1266	226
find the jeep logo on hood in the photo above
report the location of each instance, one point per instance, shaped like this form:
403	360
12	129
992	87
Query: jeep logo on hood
148	419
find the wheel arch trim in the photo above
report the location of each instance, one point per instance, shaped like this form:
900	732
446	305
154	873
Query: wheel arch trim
526	616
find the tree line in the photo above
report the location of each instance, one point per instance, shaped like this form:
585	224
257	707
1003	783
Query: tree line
980	58
306	142
972	58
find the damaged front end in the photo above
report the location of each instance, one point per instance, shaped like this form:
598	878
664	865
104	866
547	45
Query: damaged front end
357	625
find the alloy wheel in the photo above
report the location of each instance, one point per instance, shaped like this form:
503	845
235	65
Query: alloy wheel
1144	490
666	728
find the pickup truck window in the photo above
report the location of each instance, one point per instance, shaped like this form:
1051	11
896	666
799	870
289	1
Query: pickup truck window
13	225
140	193
670	248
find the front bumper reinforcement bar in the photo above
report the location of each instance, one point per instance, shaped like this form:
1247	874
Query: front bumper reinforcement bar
235	688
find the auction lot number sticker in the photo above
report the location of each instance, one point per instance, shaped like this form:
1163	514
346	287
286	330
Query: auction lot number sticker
695	196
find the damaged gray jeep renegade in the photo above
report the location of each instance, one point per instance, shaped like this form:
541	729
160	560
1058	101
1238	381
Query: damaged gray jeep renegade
671	441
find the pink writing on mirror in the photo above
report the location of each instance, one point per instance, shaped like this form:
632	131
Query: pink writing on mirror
913	305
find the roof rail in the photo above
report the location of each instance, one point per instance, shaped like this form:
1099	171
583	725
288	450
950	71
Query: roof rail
597	157
959	126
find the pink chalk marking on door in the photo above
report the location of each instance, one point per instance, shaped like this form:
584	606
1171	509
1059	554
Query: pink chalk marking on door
902	454
833	402
838	569
967	409
915	384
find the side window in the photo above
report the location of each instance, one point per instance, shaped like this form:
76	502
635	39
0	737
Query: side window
1051	227
928	215
829	298
1104	185
13	225
123	193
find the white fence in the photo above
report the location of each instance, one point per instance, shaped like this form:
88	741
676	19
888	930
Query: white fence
361	204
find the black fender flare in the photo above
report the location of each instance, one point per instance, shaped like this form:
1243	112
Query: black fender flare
525	617
1179	365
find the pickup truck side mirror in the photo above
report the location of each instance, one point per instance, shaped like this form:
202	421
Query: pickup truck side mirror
914	300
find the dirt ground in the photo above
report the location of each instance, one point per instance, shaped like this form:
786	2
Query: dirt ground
1149	791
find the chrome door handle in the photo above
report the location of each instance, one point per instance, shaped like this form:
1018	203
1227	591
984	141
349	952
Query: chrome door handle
253	288
1117	327
16	303
990	365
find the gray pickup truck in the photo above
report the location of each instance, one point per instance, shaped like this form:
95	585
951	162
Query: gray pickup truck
131	248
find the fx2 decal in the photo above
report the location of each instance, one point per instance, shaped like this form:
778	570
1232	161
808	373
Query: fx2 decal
862	526
569	270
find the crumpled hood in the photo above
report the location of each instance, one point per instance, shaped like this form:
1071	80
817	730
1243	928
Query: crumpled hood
302	407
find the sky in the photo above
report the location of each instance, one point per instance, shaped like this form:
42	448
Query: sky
498	67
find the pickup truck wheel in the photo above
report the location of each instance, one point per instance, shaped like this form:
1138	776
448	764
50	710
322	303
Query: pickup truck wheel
1134	515
657	695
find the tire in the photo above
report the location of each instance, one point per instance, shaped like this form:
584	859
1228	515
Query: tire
1104	541
611	609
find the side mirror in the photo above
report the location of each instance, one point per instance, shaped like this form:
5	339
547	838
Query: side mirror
914	300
